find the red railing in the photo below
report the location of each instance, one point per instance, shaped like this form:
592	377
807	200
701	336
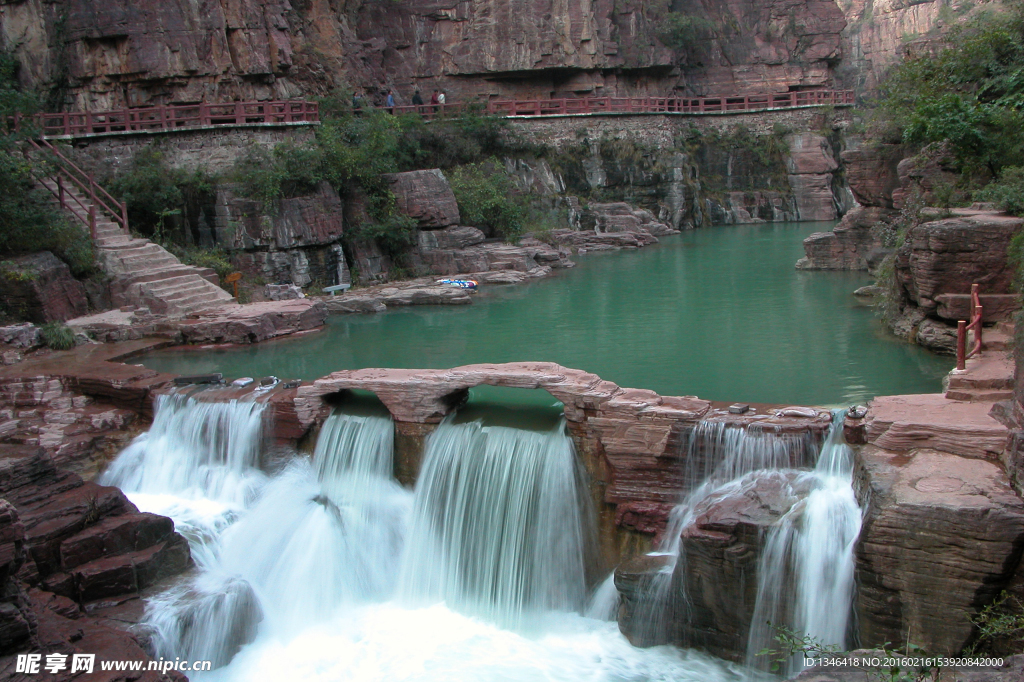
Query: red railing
65	172
641	105
963	327
176	117
173	117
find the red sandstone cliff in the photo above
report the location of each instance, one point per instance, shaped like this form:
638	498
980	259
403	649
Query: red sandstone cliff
112	54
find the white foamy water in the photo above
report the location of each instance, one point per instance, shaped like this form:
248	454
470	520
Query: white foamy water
329	570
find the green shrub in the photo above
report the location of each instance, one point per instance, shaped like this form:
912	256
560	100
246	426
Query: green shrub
486	198
393	233
154	191
1000	627
30	222
58	336
1007	192
682	31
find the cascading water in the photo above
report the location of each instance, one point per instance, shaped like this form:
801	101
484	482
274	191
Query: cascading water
329	570
806	572
720	459
195	449
501	523
806	569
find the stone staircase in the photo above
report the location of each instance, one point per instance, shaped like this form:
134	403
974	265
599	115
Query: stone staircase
145	274
989	376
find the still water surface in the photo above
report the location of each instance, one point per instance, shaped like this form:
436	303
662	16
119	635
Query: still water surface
719	313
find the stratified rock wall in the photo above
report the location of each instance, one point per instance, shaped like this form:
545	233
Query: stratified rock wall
97	56
880	32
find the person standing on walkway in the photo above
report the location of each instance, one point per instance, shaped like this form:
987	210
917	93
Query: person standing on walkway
441	98
390	102
417	101
434	100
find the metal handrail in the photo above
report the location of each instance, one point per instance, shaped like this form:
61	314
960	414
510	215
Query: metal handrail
66	169
962	327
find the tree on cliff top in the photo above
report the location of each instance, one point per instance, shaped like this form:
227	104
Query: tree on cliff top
969	94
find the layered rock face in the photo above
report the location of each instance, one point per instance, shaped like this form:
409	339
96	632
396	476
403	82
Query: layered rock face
131	54
943	258
943	528
40	288
811	163
298	243
876	34
855	243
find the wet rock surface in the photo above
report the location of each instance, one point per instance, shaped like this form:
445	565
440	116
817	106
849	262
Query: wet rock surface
943	530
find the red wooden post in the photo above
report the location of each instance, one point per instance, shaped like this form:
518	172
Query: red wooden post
976	313
124	216
238	113
60	190
127	125
961	345
92	220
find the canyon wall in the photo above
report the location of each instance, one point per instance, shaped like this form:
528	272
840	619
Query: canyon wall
880	32
92	56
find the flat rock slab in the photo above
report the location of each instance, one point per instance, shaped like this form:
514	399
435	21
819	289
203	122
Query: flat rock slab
254	322
904	422
986	371
941	538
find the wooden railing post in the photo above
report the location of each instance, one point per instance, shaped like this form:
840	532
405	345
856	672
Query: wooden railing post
92	220
60	190
961	345
976	313
124	216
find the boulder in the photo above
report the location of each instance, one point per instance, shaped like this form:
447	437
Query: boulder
449	238
621	217
947	256
920	175
901	423
426	196
871	171
721	550
853	244
942	537
17	622
21	335
39	287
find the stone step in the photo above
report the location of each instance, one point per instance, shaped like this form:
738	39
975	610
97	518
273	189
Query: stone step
160	274
182	293
989	370
900	423
998	338
978	395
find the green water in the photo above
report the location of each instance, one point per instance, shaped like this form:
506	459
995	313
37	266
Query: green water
719	313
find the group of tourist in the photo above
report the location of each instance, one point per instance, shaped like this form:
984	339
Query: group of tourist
436	101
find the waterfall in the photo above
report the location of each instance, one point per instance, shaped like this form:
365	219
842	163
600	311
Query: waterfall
721	459
500	524
329	570
806	571
195	449
322	535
